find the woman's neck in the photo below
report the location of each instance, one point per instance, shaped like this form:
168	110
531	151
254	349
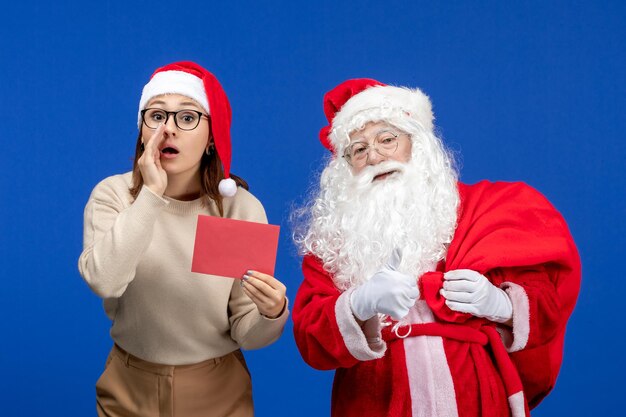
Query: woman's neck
183	186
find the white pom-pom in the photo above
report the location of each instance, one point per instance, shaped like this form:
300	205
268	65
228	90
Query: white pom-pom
227	187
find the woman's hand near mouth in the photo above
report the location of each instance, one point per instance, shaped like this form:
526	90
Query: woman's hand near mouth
154	176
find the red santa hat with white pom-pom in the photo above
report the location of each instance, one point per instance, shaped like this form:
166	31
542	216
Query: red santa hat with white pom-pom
191	80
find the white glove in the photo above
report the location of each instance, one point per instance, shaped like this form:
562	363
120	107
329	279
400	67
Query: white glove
468	291
387	292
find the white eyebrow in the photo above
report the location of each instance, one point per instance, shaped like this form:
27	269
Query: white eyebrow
387	129
378	133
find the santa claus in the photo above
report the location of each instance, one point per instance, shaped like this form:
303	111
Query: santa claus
428	296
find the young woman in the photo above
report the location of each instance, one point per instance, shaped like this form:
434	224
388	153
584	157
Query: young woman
177	334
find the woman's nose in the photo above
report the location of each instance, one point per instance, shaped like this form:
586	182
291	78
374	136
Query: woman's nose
170	125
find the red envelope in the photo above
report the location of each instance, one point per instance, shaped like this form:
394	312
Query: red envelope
228	247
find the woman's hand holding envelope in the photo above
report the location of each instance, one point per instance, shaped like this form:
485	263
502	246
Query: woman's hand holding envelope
266	292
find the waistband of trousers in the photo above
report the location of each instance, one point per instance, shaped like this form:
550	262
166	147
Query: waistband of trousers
161	369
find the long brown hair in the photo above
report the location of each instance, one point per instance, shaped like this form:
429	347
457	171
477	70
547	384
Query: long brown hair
211	173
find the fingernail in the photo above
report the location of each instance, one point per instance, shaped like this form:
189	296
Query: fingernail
249	272
245	278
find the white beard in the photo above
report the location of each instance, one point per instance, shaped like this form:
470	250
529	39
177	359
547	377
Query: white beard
356	223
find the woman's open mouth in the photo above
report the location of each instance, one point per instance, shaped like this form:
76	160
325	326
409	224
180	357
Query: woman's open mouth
168	152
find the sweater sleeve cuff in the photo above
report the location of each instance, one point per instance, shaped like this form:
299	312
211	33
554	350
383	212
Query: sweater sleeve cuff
516	338
363	347
265	330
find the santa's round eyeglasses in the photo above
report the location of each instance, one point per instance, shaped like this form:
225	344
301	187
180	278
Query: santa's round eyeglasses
385	143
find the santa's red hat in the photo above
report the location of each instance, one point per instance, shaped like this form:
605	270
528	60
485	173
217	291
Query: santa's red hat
191	80
373	101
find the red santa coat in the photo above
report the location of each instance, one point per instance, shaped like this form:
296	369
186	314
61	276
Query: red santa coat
454	364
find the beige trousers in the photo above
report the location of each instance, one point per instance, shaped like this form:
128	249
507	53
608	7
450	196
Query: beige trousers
132	387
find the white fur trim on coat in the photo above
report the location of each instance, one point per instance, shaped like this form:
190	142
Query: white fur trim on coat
173	82
362	347
430	379
516	340
516	402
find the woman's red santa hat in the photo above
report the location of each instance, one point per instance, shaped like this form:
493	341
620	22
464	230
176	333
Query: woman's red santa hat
374	101
191	80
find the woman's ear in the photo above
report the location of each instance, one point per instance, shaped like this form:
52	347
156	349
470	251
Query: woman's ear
210	146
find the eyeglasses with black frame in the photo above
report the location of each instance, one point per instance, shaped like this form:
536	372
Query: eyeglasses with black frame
184	119
385	143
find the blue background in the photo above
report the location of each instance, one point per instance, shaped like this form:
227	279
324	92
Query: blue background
531	91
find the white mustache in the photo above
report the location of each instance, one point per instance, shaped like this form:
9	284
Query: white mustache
367	175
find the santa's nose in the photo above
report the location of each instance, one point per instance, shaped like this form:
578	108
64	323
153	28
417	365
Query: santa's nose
374	157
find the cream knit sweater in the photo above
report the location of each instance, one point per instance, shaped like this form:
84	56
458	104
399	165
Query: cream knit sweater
137	257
